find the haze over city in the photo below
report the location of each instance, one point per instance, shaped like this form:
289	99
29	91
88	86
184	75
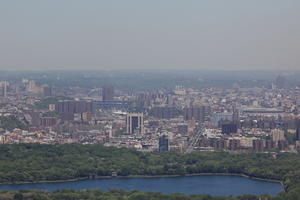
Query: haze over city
105	34
149	100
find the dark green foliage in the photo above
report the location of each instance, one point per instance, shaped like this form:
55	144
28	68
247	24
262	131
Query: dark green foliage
36	162
117	195
11	122
18	196
290	138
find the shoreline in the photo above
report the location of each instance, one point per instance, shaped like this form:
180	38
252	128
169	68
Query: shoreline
146	176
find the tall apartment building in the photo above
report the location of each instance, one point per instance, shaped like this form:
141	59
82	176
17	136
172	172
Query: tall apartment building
163	112
135	123
68	108
163	143
3	87
47	91
258	145
198	113
298	130
277	135
234	144
107	93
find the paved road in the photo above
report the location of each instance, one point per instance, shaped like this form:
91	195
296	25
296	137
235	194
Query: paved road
194	140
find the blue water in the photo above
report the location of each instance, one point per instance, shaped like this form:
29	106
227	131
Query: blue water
212	185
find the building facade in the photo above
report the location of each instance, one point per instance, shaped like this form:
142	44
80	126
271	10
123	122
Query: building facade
135	123
107	93
163	143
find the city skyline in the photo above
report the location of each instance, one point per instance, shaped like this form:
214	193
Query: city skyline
139	99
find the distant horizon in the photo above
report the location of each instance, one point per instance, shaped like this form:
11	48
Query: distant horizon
169	34
150	69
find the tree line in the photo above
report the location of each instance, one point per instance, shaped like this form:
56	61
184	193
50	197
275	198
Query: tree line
116	195
40	162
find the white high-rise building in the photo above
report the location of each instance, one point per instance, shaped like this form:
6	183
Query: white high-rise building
135	123
277	135
3	89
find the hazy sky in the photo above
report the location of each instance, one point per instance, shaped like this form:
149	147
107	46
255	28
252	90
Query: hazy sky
112	34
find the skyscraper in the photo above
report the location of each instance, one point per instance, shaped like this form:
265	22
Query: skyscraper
135	123
107	93
163	143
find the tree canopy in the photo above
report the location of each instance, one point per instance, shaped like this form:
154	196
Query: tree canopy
39	162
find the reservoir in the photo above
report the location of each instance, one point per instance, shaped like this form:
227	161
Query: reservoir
217	185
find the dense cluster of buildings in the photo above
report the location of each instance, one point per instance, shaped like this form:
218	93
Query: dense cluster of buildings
180	119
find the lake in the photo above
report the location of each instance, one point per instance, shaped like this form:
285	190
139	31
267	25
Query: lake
211	184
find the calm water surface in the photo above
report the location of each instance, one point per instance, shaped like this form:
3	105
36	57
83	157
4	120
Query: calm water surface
212	184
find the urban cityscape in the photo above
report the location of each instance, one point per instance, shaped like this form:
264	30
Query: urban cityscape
149	100
179	118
